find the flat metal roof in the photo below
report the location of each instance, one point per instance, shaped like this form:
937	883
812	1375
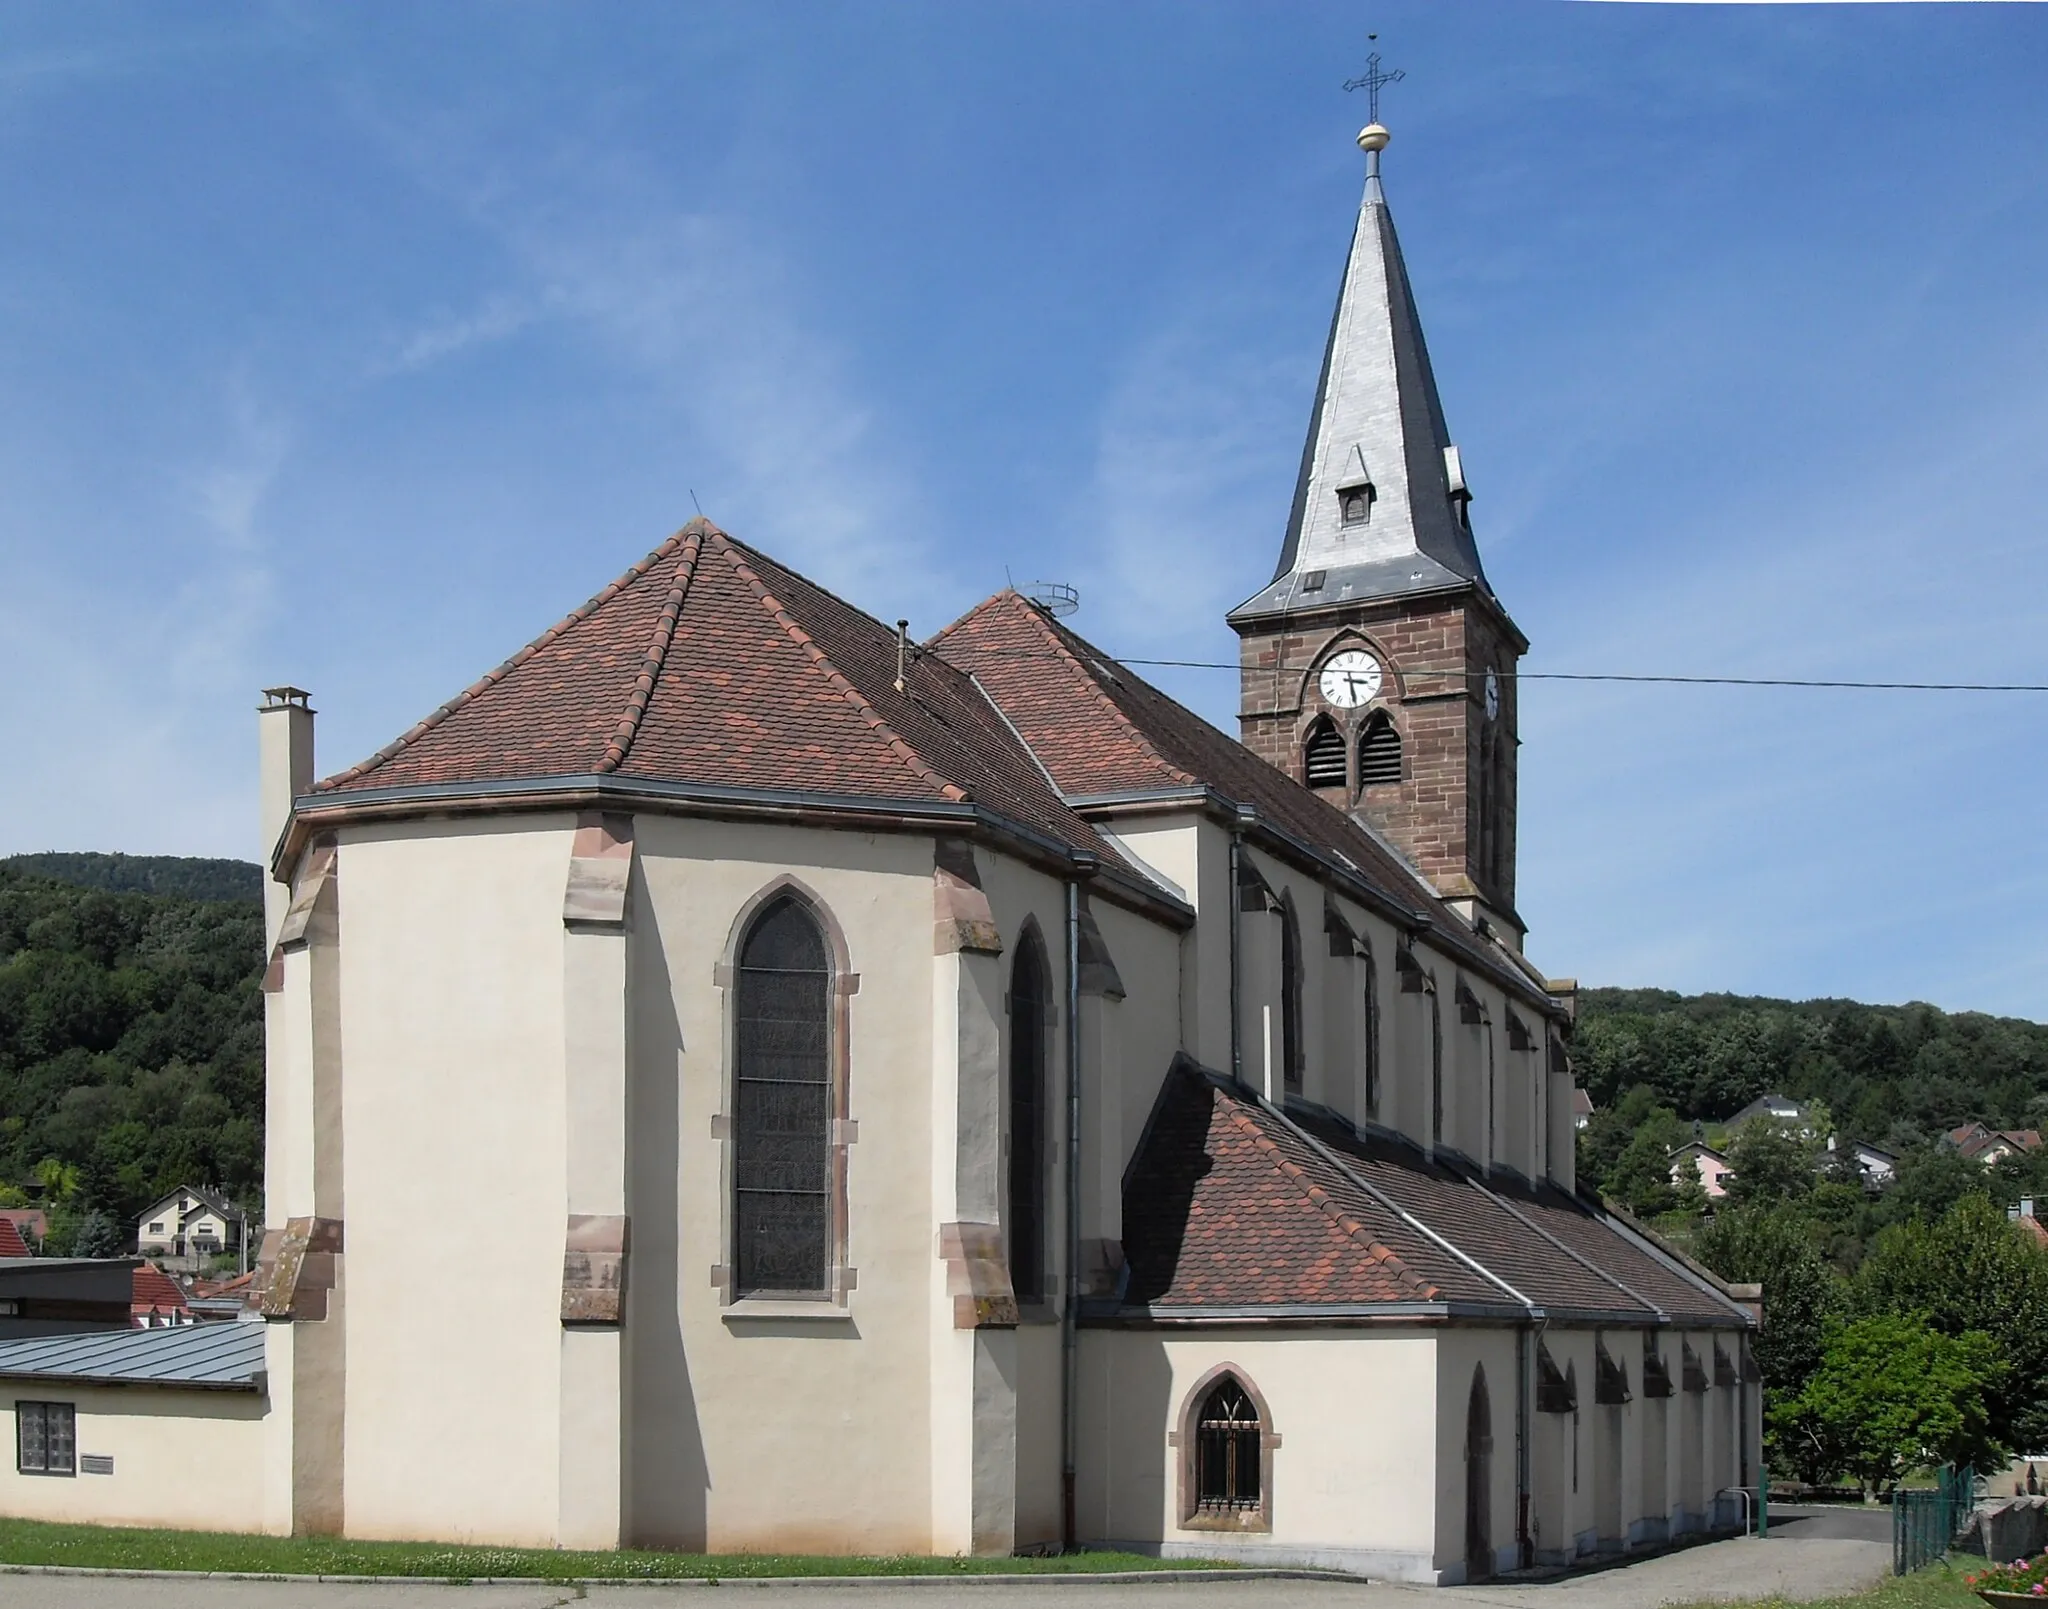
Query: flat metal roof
217	1357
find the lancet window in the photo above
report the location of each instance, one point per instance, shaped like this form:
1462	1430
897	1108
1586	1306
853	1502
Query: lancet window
1227	1450
1030	1004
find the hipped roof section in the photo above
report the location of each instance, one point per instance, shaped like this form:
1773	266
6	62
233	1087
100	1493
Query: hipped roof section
1231	1204
709	663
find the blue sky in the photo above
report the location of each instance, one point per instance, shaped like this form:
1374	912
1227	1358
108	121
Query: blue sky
353	346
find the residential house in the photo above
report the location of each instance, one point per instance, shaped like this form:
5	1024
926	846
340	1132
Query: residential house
32	1224
1988	1146
1796	1115
1876	1166
2023	1217
1706	1164
188	1228
60	1295
156	1301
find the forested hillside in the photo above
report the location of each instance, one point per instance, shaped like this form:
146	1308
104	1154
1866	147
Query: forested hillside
1904	1325
188	876
131	1044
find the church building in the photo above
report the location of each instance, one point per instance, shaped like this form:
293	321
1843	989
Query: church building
739	1079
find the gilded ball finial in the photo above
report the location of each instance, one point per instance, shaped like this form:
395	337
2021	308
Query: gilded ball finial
1373	137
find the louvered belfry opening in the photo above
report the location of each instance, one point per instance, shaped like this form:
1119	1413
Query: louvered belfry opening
1323	759
1227	1449
1379	752
782	1160
1030	1001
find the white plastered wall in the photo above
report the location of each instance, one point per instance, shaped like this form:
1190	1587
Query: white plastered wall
842	1463
451	968
1353	1478
183	1459
1461	1354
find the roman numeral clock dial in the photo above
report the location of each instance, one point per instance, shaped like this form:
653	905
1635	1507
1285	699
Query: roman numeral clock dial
1350	679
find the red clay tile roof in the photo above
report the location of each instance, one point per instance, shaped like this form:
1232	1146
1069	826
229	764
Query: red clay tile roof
1230	1203
709	663
11	1243
154	1290
1099	729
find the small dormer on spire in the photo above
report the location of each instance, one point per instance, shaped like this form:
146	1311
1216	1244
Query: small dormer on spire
1381	504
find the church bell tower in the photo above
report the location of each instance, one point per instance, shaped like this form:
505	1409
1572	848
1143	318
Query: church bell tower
1377	667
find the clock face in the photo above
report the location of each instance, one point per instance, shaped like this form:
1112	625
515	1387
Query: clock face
1492	694
1350	679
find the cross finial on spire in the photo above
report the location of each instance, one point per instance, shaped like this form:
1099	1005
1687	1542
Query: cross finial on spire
1372	82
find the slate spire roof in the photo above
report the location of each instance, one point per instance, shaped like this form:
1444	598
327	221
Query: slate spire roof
709	664
1377	425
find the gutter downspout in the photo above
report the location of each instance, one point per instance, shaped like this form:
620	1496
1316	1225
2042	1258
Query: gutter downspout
1236	963
1070	1315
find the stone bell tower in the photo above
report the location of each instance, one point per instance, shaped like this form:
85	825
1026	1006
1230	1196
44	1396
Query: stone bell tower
1378	666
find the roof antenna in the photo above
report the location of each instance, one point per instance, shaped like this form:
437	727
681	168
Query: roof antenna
902	643
699	507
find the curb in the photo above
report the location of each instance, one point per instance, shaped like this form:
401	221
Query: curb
988	1578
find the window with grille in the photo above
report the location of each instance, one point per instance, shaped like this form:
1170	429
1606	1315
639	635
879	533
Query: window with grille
1227	1450
1379	752
782	1157
1323	755
1290	997
46	1438
1030	998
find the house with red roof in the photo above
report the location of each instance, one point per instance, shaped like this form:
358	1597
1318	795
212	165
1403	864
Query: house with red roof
742	1078
158	1300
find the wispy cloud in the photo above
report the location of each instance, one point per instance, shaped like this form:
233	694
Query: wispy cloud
500	317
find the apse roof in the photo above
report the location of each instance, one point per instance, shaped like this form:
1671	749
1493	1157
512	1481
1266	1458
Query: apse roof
222	1356
709	663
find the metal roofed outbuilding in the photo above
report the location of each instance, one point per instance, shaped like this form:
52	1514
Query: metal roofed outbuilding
215	1357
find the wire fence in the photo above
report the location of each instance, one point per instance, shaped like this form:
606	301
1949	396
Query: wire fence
1925	1521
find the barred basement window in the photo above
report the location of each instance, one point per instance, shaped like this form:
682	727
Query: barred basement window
1227	1450
1030	1001
45	1438
1379	752
1323	755
782	1160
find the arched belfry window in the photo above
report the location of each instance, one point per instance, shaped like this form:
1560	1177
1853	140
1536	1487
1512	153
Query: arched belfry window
1228	1450
1290	996
1323	757
1379	751
1030	1005
782	1104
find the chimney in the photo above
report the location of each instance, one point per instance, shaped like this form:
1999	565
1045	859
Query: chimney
284	724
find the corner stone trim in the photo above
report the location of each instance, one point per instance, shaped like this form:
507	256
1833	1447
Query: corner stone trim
296	1269
977	1277
594	1269
600	867
961	917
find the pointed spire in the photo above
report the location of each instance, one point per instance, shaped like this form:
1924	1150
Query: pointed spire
1381	496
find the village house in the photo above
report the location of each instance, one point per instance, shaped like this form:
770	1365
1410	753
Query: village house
1703	1162
188	1229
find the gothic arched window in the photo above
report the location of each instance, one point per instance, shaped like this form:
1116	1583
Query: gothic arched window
1372	1036
1228	1450
1030	1004
782	1097
1290	997
1323	758
1436	1071
1379	751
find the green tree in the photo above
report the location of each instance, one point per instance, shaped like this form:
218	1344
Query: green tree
1893	1394
98	1235
1760	1246
1772	1163
1971	1270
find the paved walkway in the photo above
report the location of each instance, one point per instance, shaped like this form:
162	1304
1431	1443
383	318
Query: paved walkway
1805	1557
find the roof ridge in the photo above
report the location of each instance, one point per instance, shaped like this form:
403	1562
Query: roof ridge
1322	1200
657	653
491	678
832	673
1056	637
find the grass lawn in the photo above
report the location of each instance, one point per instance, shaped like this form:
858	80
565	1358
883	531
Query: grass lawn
102	1547
1939	1586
